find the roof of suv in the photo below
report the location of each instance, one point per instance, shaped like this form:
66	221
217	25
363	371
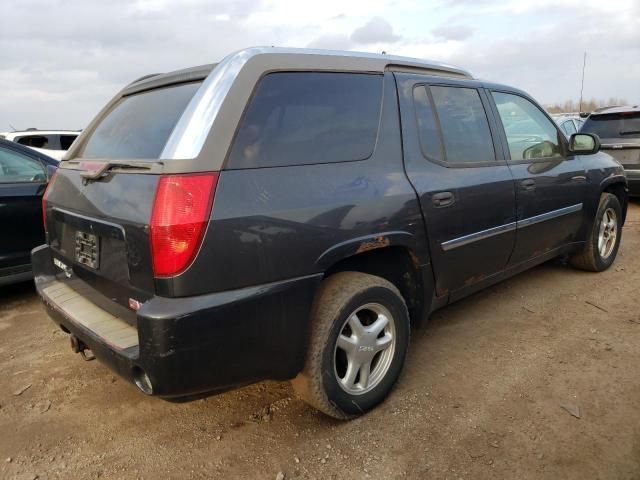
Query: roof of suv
616	109
41	132
218	104
322	59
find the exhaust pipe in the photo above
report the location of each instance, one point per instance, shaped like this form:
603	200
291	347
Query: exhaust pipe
142	381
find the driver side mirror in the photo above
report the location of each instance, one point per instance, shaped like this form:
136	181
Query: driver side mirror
584	143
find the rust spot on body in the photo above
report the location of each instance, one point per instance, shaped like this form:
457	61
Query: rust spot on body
378	242
414	259
474	279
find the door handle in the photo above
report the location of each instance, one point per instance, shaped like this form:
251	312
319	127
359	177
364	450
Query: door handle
528	185
443	199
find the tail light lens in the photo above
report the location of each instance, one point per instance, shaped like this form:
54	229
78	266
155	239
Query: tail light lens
178	220
44	199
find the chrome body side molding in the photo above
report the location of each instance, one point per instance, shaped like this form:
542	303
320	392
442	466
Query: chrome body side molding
508	227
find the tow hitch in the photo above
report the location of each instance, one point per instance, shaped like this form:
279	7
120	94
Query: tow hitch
79	347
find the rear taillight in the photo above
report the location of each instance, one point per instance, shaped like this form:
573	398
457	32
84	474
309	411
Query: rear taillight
44	199
178	220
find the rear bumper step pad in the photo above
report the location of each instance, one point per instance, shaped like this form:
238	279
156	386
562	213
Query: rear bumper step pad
115	332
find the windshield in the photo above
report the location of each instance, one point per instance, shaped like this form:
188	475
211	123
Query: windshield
614	125
139	125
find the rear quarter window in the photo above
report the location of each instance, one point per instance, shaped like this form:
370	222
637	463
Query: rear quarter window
297	118
139	125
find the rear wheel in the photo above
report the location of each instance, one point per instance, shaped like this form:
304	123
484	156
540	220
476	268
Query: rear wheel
359	339
604	239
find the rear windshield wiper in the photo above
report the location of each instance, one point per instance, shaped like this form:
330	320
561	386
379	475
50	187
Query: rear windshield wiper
104	167
630	132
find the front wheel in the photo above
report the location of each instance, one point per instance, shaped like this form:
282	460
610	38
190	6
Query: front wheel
359	339
603	242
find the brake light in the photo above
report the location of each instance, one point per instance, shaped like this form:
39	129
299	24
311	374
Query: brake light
44	199
179	218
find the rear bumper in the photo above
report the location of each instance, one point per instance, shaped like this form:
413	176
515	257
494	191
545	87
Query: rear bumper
18	274
633	180
188	346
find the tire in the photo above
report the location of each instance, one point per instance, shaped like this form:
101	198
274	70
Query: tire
326	381
607	223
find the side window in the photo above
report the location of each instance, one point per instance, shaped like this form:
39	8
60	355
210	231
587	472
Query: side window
18	168
428	132
464	125
36	141
530	134
297	118
66	141
463	122
569	127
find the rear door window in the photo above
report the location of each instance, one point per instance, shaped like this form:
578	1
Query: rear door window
18	168
297	118
464	125
139	125
428	132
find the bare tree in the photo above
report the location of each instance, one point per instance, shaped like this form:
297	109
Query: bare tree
571	106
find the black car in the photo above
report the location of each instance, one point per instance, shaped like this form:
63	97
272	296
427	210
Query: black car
23	178
619	131
288	214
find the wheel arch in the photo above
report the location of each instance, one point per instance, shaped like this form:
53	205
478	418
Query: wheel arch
396	262
617	185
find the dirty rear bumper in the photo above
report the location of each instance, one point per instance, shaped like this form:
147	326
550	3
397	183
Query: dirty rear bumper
194	345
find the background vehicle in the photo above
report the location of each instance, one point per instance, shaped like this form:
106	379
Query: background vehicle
619	132
569	123
23	177
264	218
53	143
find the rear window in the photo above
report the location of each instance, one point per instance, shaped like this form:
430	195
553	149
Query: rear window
297	118
614	125
139	125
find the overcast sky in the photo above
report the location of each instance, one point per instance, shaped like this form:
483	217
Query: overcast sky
61	60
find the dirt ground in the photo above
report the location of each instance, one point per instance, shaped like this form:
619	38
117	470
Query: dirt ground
481	397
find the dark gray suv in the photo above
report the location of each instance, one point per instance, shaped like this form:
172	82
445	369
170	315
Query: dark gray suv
289	214
619	129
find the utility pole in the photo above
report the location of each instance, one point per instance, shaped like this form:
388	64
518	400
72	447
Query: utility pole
584	63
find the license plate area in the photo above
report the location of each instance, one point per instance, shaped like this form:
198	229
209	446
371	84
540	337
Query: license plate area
87	251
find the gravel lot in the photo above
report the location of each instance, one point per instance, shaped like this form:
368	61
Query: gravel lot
482	396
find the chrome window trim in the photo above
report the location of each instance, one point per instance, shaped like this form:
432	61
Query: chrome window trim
508	227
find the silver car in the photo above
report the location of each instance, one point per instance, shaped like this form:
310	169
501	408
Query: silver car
569	123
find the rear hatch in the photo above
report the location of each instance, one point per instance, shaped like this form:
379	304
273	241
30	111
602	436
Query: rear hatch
619	134
99	207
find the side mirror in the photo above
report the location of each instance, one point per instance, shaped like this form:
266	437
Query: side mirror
584	143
